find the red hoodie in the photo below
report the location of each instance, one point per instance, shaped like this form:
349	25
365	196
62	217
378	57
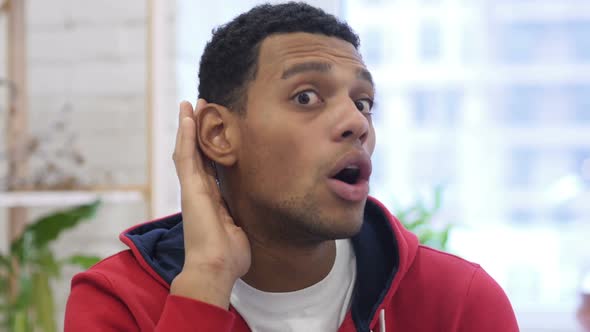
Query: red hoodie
401	286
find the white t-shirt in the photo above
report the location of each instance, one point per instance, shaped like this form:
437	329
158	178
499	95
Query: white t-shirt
320	307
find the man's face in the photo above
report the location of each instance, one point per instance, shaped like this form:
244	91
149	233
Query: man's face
307	138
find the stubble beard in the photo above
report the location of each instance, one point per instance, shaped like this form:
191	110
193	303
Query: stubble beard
300	220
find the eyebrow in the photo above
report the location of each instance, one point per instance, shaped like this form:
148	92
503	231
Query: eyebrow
322	67
364	74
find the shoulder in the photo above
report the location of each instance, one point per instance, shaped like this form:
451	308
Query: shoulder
119	279
118	262
462	288
451	272
442	265
447	277
117	266
116	292
119	273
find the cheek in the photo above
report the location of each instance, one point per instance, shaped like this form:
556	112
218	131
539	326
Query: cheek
371	141
273	154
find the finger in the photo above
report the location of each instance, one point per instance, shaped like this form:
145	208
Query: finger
189	161
193	168
199	105
198	108
185	110
186	159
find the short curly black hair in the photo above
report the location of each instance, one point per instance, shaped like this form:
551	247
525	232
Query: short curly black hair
229	61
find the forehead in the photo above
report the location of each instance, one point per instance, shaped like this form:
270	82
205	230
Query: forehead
278	52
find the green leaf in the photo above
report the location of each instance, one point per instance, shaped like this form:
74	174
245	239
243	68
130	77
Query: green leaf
82	261
24	297
33	308
408	215
44	306
420	221
445	236
24	249
45	261
5	262
426	236
20	322
438	192
49	227
3	287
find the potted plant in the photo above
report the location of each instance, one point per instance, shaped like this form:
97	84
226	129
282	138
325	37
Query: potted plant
418	218
26	297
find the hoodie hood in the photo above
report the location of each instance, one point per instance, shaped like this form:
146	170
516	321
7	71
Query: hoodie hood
384	252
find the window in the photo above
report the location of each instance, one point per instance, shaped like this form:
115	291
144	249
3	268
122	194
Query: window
371	46
581	104
438	107
518	42
521	165
581	165
522	216
580	40
421	104
515	179
521	104
429	41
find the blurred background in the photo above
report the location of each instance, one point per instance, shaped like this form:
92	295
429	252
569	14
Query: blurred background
483	129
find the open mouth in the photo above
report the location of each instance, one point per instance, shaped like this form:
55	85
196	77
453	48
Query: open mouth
354	168
349	179
350	174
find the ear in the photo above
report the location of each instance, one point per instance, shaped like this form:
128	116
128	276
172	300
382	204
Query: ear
217	133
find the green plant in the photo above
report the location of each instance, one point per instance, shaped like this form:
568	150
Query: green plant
418	218
27	302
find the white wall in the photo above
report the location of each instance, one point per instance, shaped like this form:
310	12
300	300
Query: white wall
89	58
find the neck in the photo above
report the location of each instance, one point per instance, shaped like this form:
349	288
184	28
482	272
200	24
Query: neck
287	269
279	264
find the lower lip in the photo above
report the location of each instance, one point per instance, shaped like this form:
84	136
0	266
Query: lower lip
351	192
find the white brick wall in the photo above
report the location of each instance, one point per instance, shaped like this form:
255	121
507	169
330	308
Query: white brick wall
90	57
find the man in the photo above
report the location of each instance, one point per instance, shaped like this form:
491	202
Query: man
277	231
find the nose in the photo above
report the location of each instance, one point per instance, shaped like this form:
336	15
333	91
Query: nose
352	124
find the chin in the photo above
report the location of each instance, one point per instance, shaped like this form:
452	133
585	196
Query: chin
349	232
348	216
345	226
329	218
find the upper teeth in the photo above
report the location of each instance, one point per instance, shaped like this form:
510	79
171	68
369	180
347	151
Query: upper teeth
352	167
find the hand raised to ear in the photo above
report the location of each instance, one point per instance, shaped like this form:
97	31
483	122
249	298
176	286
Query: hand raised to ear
217	252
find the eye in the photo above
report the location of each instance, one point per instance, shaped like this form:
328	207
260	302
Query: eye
307	97
364	105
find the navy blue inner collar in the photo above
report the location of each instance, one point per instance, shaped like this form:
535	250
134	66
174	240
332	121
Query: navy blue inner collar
377	261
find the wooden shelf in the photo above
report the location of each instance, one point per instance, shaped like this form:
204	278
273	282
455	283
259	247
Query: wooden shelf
68	197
